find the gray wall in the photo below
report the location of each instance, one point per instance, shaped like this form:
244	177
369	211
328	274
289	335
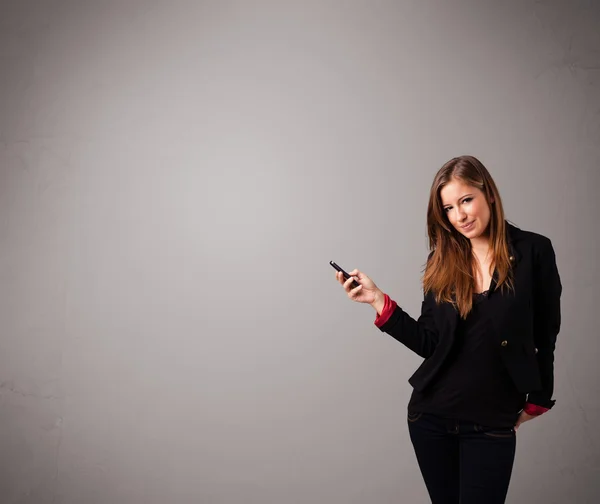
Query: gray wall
175	177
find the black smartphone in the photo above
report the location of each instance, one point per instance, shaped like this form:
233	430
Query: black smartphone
346	275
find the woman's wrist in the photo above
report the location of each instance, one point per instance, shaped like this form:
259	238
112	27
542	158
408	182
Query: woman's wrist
379	301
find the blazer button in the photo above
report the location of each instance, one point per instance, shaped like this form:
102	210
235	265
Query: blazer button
535	350
511	258
504	343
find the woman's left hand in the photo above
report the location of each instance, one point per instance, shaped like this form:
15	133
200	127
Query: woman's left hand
523	417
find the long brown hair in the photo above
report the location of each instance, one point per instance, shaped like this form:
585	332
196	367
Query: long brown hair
450	269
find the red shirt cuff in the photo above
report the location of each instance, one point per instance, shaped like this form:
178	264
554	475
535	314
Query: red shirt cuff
388	308
534	409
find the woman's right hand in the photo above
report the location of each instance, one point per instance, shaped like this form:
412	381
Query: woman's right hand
366	292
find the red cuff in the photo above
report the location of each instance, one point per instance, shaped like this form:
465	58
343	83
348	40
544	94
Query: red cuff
534	409
388	308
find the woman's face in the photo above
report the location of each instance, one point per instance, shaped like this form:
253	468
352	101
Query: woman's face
466	208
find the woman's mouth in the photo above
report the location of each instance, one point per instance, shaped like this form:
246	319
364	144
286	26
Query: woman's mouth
468	227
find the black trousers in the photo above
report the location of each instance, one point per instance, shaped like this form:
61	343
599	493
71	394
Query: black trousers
462	462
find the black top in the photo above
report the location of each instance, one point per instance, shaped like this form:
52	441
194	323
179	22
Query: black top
473	384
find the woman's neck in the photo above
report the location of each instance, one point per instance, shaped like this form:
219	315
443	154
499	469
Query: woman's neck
480	247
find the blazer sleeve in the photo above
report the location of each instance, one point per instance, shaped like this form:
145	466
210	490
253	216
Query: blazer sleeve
420	335
547	290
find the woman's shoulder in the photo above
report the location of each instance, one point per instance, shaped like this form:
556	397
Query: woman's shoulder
520	238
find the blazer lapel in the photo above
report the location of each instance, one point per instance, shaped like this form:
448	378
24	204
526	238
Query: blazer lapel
512	235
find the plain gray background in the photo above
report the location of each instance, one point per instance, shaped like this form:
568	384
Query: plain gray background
175	178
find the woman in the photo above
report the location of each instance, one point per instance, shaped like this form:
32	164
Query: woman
487	331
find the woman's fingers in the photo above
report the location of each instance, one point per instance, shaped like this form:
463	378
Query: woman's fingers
348	283
350	289
354	292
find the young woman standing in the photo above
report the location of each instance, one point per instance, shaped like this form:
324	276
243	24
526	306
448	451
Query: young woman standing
487	332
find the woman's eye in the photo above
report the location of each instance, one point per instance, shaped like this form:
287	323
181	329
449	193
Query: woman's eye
466	200
447	209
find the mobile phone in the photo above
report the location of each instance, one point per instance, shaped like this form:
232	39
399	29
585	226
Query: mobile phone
346	275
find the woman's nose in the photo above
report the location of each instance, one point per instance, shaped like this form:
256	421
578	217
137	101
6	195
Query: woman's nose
460	215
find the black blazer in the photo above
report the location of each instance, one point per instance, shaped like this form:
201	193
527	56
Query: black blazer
526	322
